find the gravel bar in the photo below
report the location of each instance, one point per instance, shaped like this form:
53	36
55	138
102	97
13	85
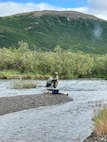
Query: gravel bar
18	103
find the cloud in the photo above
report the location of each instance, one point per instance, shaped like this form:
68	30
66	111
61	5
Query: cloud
80	9
95	7
98	8
10	8
97	32
98	4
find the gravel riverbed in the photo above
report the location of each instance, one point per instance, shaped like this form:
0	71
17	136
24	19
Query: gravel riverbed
18	103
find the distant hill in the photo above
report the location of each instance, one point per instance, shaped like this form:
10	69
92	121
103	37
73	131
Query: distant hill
44	30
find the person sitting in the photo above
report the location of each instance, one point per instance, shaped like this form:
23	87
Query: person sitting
53	81
49	82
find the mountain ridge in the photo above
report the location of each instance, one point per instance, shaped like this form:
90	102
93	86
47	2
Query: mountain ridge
70	14
44	30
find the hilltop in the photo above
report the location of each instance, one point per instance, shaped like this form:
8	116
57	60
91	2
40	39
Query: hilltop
44	30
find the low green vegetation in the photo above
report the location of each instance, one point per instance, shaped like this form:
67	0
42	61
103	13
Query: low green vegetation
45	30
21	84
25	63
100	122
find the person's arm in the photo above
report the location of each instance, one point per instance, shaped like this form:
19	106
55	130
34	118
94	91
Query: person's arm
55	78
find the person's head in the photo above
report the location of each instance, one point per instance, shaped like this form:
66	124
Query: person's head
55	73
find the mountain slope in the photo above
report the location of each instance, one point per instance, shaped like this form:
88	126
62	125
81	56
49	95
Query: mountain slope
46	29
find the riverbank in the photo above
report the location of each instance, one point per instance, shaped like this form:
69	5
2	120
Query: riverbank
11	74
18	103
94	138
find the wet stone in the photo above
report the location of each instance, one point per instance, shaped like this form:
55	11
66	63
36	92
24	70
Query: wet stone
93	138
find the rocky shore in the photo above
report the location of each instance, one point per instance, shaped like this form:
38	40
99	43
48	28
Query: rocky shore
93	138
18	103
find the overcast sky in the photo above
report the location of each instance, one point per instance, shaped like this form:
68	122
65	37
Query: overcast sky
93	7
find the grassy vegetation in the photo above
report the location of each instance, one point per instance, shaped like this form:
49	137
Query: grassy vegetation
25	63
12	74
46	31
100	122
20	84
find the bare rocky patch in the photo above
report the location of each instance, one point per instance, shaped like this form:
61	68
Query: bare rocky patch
18	103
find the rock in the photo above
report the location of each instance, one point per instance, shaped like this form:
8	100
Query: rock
94	138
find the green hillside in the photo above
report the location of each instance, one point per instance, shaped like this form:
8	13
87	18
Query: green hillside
46	29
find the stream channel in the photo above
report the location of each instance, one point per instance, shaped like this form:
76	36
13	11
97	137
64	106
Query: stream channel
69	122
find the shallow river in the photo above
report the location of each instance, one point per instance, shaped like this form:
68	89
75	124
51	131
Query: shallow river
70	122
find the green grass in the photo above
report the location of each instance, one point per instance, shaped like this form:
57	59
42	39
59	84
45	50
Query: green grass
11	74
23	84
100	122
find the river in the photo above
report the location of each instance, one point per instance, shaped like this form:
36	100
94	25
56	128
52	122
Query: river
70	122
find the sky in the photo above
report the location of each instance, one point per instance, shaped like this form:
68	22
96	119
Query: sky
97	8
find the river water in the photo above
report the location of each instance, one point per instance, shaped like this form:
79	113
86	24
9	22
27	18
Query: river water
69	122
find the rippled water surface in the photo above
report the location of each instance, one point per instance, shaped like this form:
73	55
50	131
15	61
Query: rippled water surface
70	122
